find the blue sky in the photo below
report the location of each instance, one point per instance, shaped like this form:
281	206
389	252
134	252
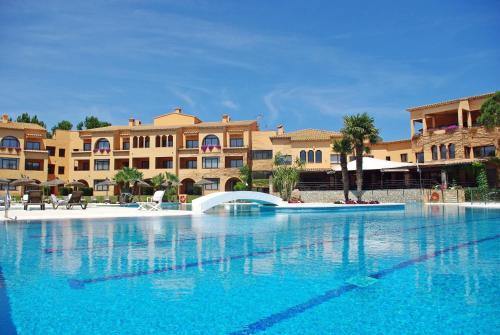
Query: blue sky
304	64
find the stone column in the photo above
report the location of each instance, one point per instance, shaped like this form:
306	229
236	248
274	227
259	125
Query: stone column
412	127
469	119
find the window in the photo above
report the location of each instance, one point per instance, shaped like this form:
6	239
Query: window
167	164
236	163
87	146
285	160
143	164
32	165
434	152
443	151
100	187
191	164
310	156
102	144
126	145
134	142
319	156
158	141
10	142
334	158
3	187
32	145
451	151
146	142
236	142
214	185
404	157
101	164
262	154
62	152
170	141
419	157
302	156
467	152
51	150
192	144
51	168
60	170
210	162
387	158
211	140
484	151
9	163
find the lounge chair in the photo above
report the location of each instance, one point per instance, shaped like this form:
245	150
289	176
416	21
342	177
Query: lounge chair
76	200
152	203
58	202
33	198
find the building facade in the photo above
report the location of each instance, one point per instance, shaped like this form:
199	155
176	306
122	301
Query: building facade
444	137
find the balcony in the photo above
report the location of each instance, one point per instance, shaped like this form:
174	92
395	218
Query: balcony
75	153
10	150
188	150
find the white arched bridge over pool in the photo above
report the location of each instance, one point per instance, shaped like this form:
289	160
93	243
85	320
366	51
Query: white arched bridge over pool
206	202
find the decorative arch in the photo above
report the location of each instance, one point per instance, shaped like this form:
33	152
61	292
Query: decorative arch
434	152
102	144
442	151
310	156
146	142
451	151
303	156
158	141
230	183
187	186
10	142
164	141
211	140
319	156
141	142
134	142
170	141
84	182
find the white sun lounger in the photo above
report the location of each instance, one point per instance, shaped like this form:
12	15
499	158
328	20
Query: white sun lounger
153	203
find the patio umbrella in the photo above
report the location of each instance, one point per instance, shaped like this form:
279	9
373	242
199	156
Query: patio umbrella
140	184
75	184
53	182
23	182
108	183
202	183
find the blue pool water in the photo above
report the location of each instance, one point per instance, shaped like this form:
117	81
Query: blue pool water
422	270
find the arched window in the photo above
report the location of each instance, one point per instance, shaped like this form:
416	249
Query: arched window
319	156
442	150
211	140
146	142
451	151
164	141
141	142
102	144
134	142
157	141
310	156
303	156
10	142
434	152
170	142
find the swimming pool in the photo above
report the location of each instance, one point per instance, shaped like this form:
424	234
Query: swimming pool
420	270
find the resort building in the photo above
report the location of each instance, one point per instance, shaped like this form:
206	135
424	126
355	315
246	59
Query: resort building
444	138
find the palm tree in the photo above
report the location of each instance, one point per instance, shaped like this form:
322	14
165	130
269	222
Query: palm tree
157	180
126	176
360	130
343	147
286	175
171	179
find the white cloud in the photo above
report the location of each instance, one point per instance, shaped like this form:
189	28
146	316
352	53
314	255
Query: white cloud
230	104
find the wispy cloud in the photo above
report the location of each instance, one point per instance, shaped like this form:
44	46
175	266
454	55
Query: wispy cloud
230	104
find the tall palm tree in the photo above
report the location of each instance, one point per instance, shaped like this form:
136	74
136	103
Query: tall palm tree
343	147
173	180
126	176
157	180
360	130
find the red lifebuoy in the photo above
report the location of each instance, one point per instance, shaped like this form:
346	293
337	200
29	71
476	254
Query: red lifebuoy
182	198
435	196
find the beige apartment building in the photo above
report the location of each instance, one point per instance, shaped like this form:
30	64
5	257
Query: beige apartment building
444	137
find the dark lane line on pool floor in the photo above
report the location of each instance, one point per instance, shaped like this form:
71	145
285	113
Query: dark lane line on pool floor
159	243
80	283
6	322
269	321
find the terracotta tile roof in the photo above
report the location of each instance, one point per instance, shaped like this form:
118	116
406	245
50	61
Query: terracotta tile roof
309	135
21	125
485	95
153	127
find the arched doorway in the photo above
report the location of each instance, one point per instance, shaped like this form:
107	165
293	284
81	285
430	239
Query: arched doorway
230	183
187	186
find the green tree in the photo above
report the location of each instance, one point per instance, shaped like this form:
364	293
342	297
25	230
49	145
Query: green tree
246	178
126	176
360	129
286	175
172	179
490	112
157	180
25	117
63	125
343	147
91	122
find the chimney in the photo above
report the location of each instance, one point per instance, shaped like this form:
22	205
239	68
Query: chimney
5	118
226	118
280	130
131	122
178	110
